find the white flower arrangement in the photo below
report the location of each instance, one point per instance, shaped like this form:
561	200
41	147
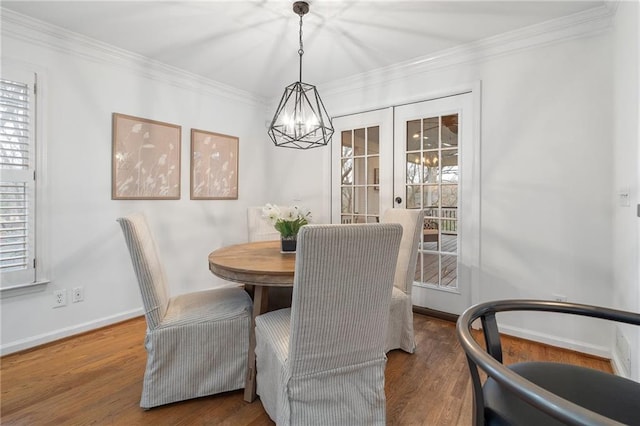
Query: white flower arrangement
287	220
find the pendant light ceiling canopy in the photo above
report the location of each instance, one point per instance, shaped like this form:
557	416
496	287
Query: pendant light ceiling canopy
301	120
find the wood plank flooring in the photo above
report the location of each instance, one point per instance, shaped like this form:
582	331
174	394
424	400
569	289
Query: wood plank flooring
96	379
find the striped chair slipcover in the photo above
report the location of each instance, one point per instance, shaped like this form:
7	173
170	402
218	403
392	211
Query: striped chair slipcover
197	342
321	362
400	331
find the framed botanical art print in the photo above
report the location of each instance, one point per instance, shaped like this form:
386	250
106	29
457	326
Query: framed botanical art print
145	159
214	166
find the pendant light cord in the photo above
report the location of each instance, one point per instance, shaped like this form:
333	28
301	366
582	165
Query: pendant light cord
301	50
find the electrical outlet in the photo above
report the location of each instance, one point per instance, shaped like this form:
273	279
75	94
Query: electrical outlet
77	295
60	298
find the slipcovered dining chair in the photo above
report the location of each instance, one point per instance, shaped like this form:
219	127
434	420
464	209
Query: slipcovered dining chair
197	342
321	362
259	228
400	330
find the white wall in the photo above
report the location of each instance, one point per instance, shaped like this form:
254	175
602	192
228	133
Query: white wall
625	140
84	83
546	168
545	185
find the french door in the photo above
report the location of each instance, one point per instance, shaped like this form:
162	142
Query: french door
362	166
416	156
434	166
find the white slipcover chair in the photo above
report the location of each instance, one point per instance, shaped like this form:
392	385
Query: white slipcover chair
197	342
321	362
400	330
260	229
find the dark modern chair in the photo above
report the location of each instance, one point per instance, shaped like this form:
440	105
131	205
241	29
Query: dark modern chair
543	393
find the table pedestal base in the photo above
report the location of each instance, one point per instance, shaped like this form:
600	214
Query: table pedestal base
260	303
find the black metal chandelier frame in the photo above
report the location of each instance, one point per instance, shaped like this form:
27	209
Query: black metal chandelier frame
301	120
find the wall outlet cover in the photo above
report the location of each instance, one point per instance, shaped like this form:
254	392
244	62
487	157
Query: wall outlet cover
59	298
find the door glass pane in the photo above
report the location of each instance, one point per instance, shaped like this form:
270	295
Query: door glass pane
450	196
431	234
449	240
373	201
413	197
450	166
347	171
359	141
347	147
372	171
359	171
413	135
431	196
347	200
359	202
449	130
373	140
414	168
431	169
449	271
430	268
431	131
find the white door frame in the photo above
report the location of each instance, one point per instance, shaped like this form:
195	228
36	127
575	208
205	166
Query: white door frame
472	230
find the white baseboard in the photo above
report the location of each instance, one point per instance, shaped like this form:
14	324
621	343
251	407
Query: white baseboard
575	345
40	339
618	366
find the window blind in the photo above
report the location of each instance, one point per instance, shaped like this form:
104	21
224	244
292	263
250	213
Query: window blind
16	182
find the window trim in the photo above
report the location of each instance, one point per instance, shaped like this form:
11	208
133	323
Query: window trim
42	198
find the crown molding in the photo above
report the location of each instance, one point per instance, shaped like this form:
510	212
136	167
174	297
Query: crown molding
25	28
589	22
586	23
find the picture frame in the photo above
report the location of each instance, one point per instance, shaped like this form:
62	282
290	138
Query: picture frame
214	166
145	159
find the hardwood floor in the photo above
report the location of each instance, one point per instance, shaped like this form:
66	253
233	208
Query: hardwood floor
96	379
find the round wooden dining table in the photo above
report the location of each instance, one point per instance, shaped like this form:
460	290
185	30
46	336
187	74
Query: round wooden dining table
259	264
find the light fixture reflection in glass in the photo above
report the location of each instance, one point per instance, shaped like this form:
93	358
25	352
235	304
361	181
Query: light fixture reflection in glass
433	162
417	135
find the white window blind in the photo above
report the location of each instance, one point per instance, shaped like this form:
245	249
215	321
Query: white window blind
17	182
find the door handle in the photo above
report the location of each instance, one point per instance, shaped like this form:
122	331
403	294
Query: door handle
398	200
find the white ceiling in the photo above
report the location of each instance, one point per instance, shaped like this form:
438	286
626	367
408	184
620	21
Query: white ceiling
252	45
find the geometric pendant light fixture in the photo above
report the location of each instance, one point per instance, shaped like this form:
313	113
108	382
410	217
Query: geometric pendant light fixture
301	120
